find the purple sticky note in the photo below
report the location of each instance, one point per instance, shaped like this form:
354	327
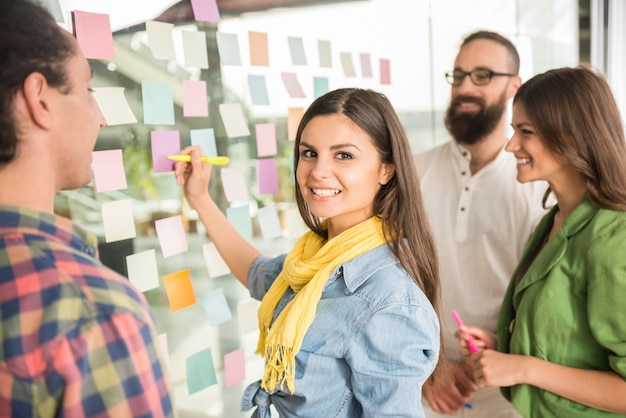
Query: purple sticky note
266	176
205	10
164	143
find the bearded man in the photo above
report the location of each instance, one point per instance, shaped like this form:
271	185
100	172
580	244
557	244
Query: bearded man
480	215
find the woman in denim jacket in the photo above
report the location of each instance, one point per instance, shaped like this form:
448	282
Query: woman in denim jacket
348	319
562	324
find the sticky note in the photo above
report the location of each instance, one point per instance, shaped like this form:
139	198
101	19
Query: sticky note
216	307
234	367
385	71
205	139
247	315
296	50
164	143
161	40
158	103
215	264
234	121
239	218
294	116
295	226
93	34
267	178
200	371
108	170
142	270
258	90
290	80
259	51
113	105
118	220
165	352
179	290
228	48
195	49
234	184
171	234
320	86
265	139
205	10
366	65
325	57
270	225
195	99
347	65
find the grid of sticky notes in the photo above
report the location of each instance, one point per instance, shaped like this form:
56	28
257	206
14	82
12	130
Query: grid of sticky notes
95	38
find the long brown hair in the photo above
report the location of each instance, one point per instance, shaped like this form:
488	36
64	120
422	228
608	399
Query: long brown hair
399	202
576	117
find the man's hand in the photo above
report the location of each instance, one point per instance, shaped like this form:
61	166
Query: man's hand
450	392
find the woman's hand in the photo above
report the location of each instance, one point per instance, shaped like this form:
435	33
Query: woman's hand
194	176
492	368
482	339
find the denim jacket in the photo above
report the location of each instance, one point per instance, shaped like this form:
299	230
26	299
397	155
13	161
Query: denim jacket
373	343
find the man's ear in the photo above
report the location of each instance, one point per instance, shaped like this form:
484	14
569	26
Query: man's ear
37	98
514	85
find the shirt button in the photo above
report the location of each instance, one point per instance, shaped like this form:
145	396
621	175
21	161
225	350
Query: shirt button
462	173
90	251
464	153
512	325
462	209
467	189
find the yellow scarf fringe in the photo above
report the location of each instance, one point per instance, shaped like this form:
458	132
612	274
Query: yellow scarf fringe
306	270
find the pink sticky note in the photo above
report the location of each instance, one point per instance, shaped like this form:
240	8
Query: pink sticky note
290	80
108	170
366	66
195	102
164	143
93	33
266	176
205	10
266	139
234	367
171	234
385	71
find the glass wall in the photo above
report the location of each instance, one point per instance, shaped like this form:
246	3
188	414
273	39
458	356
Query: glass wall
399	47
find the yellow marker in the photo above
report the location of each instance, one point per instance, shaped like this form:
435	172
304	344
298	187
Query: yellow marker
203	159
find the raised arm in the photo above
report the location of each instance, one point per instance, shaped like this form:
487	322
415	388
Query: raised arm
236	251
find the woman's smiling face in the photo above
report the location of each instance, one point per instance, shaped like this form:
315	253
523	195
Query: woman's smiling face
339	171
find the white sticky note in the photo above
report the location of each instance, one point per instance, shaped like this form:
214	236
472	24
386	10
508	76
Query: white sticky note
118	221
234	121
228	48
171	234
215	264
165	352
247	315
161	40
142	270
195	49
113	105
295	226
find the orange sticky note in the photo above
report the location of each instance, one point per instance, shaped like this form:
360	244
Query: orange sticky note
259	53
179	290
293	120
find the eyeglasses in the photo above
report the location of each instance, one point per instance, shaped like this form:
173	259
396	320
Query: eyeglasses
479	77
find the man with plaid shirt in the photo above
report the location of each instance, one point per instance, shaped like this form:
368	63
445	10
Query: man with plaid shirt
77	339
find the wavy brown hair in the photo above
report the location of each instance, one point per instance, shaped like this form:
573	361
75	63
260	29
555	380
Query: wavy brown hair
577	118
399	202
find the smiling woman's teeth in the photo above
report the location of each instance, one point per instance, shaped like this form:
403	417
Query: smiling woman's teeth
325	192
523	160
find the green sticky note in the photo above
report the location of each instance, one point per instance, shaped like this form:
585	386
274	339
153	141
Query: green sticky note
200	371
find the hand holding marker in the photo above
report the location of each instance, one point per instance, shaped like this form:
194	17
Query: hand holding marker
470	343
203	159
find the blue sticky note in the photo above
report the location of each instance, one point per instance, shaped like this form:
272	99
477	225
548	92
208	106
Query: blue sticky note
320	86
158	103
228	48
240	219
296	49
200	371
216	307
258	89
269	222
205	139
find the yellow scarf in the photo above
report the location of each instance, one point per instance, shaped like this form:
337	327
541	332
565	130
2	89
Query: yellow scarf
306	270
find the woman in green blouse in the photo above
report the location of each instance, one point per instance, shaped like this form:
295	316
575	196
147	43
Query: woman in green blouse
561	342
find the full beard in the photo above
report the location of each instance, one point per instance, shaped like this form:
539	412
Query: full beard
471	128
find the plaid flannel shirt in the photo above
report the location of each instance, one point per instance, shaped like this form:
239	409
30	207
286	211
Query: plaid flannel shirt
77	339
